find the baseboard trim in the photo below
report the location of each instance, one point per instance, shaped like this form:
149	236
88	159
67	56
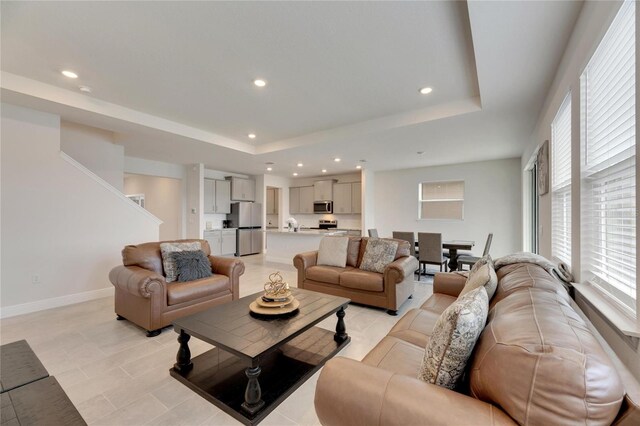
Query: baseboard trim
54	302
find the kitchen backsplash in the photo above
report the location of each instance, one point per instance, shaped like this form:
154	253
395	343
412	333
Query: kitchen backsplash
215	219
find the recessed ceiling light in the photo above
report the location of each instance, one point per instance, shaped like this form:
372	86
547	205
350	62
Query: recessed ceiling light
300	164
69	74
295	174
426	90
324	170
337	160
269	169
252	135
85	89
358	166
260	83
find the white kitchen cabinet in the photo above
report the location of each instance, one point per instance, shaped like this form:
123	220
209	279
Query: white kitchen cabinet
306	199
356	197
221	241
242	189
323	190
272	201
342	198
217	196
294	200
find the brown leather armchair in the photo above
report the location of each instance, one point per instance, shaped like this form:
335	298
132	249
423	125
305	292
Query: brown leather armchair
143	297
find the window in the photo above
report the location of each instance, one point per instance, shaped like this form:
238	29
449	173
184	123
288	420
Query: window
561	182
608	162
441	200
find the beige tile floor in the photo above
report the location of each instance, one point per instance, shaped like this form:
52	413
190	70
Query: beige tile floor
115	375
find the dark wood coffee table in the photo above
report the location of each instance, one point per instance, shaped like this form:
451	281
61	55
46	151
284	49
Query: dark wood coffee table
257	363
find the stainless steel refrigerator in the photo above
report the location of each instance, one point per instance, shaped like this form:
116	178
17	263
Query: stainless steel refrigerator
247	217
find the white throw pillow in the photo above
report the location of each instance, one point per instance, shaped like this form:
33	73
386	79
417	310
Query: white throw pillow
333	251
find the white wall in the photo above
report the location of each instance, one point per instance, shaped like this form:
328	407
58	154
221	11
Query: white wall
492	203
163	198
95	149
593	22
59	221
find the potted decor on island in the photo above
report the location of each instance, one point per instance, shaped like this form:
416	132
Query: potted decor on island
292	224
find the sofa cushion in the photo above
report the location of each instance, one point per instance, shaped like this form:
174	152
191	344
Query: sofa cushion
415	326
378	254
395	355
404	248
185	292
148	256
333	251
482	276
523	276
353	250
540	362
325	274
453	339
191	265
362	280
438	302
168	264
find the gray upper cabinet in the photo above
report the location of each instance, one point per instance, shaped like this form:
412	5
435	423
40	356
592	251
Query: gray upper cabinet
306	199
342	198
242	189
323	190
217	195
294	200
356	198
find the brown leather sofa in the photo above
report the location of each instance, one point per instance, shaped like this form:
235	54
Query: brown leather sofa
388	290
143	297
536	362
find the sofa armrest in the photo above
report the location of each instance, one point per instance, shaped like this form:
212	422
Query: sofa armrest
302	261
352	393
399	269
450	283
232	268
137	281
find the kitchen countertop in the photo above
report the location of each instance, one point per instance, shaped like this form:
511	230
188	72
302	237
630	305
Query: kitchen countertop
304	232
220	229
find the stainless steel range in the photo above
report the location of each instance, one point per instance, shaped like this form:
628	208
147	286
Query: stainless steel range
327	224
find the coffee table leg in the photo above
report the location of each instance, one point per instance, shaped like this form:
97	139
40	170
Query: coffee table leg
252	394
453	260
341	331
183	356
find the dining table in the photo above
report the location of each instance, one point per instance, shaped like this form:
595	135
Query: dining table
453	246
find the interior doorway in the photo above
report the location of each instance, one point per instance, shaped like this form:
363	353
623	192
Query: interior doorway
273	208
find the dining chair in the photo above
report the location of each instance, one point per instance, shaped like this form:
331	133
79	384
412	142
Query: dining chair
430	250
407	236
373	233
471	260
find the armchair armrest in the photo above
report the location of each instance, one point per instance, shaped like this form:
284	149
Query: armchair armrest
305	260
450	283
137	281
352	393
399	269
232	268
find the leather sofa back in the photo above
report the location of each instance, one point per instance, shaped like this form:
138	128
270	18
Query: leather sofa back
403	249
148	256
538	360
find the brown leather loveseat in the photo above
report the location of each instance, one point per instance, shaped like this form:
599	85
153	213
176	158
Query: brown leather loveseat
143	297
388	290
537	362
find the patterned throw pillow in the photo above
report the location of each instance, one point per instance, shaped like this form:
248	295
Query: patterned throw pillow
485	276
191	265
378	254
333	251
454	337
168	264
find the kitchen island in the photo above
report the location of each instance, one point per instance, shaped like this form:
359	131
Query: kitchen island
282	246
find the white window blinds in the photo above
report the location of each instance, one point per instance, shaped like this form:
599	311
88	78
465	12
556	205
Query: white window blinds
441	200
608	162
561	182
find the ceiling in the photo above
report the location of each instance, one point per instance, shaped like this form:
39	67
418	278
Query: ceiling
173	80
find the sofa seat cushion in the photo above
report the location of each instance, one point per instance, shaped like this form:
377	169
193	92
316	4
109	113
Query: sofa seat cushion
438	302
325	274
191	290
415	326
396	355
539	361
362	280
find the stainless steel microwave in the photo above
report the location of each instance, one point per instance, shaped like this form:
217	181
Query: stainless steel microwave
323	207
